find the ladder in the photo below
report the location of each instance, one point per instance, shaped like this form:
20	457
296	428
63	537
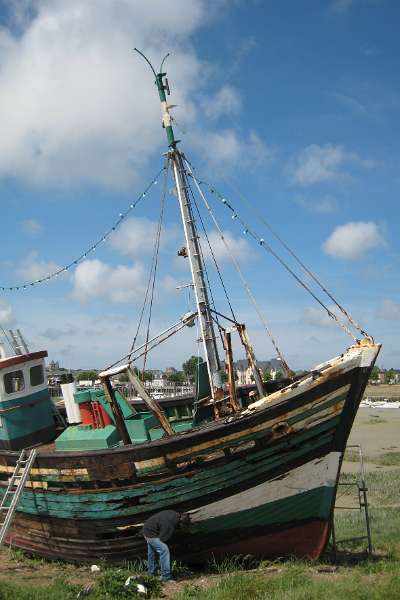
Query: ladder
18	343
14	489
359	483
58	417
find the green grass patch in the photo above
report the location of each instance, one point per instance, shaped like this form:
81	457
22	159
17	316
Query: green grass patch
352	455
59	590
109	585
298	581
388	459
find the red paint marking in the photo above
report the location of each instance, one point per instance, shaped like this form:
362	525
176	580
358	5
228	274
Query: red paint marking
23	358
303	541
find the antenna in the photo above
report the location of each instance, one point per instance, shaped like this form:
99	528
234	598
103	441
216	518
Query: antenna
147	60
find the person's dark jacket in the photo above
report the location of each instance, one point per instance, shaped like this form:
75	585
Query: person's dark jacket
161	525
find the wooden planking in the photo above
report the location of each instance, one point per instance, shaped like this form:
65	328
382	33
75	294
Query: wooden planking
314	474
117	536
150	498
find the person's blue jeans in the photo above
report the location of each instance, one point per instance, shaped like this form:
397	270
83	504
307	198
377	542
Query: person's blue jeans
156	546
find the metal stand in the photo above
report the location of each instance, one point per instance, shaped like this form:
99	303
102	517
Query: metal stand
362	490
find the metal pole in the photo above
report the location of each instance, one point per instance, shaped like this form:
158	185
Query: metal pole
200	288
203	309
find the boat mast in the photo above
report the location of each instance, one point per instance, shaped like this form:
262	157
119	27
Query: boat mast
192	243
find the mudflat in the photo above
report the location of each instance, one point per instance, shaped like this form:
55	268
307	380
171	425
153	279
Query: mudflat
378	433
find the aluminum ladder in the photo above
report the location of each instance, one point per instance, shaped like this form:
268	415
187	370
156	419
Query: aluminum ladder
14	489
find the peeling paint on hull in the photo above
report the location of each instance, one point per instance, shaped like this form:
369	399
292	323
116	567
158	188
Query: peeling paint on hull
90	505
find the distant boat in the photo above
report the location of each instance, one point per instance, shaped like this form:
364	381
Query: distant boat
256	470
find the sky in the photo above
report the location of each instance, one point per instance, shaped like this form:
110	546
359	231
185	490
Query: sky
290	110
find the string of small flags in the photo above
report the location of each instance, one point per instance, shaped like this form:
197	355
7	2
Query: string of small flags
92	248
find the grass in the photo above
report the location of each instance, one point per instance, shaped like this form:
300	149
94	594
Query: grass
352	574
299	583
388	459
352	456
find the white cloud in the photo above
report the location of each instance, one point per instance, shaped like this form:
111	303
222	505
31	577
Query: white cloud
136	236
77	102
6	315
226	148
324	205
315	164
341	6
55	333
225	101
239	248
317	317
33	268
95	279
389	310
351	240
31	226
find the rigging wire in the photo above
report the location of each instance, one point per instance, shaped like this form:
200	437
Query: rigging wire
296	258
268	248
240	273
212	254
90	249
202	255
156	256
158	339
204	267
142	311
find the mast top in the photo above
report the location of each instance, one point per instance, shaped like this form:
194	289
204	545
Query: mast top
163	86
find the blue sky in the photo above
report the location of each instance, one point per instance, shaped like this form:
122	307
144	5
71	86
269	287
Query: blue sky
288	108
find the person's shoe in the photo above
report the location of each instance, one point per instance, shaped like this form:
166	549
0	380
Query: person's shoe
166	579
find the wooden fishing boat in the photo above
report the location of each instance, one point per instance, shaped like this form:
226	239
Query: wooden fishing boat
258	475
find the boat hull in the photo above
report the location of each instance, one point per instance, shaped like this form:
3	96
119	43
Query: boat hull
262	484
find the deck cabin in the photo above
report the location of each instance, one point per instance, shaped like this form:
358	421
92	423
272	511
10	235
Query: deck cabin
26	410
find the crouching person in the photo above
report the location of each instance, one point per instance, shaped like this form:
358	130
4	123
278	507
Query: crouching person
157	530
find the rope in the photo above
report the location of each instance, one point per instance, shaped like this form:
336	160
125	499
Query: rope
299	261
268	248
240	273
92	248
